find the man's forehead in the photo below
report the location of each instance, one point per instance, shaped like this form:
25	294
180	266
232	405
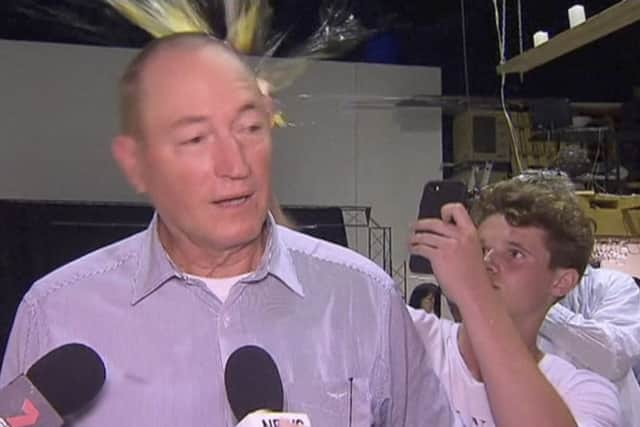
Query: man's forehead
173	62
497	227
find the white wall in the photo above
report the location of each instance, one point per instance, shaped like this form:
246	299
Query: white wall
58	114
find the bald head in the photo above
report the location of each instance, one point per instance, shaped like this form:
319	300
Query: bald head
132	81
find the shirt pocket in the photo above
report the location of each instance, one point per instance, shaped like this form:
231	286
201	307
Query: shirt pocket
339	403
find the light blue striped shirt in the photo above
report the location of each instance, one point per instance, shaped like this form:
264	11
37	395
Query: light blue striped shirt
325	314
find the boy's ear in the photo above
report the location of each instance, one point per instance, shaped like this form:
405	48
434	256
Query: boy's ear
566	280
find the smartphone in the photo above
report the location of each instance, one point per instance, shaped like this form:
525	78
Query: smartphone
435	195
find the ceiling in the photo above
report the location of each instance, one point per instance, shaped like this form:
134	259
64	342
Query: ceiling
411	32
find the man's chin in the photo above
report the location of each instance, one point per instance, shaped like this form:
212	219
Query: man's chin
244	237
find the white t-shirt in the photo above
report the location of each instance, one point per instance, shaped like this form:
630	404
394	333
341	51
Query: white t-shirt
592	399
222	286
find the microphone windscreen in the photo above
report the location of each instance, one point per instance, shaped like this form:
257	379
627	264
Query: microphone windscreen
69	377
252	381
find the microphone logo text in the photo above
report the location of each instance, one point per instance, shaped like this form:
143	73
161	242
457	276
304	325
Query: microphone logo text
276	422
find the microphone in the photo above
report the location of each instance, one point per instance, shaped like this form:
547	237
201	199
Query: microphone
254	390
57	385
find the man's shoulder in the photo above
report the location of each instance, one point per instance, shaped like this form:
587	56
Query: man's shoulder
565	376
439	336
602	288
87	270
605	278
590	396
317	253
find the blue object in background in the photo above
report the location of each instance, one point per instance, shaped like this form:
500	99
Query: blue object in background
382	48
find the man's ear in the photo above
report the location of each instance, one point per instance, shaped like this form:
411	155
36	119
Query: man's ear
566	280
127	153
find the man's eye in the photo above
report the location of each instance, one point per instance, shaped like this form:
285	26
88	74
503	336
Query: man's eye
516	253
195	140
250	128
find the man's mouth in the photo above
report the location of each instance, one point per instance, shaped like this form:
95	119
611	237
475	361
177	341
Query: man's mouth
232	201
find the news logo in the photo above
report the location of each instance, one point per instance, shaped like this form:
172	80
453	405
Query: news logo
22	405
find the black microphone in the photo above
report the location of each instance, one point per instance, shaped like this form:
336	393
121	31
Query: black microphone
254	389
62	382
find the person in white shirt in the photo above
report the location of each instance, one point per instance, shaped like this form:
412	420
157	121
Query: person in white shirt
530	248
597	327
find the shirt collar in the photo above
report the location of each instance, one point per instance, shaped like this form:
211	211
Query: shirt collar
155	266
277	260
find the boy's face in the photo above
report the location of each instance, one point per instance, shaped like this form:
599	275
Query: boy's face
518	262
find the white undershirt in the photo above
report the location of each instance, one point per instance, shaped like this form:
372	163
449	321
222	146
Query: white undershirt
220	287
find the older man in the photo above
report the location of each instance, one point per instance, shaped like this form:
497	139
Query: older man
167	307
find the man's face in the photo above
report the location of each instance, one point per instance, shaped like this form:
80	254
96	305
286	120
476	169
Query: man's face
205	155
518	262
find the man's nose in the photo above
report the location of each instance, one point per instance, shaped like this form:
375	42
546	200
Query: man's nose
230	160
489	261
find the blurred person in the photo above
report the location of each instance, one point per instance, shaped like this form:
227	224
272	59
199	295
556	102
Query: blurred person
426	296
